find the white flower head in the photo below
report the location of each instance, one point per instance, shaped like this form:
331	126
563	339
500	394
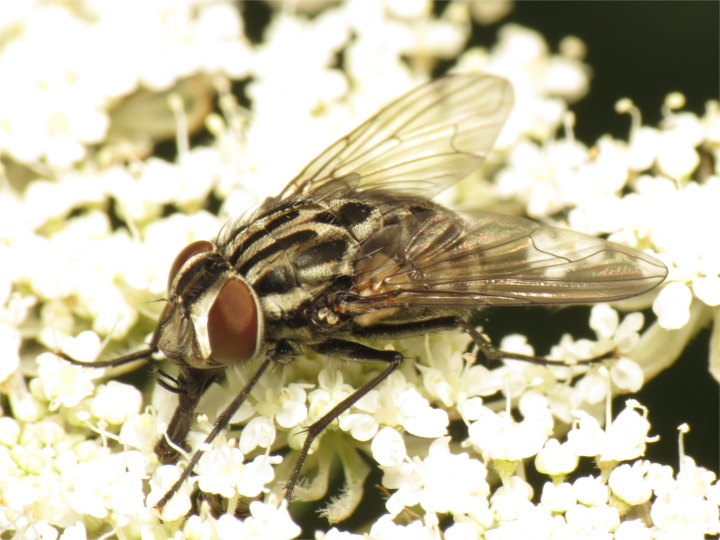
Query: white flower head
511	499
386	529
558	497
556	459
591	491
398	403
10	340
266	520
219	469
330	391
91	219
388	447
116	402
260	431
627	482
113	483
64	384
442	482
624	439
672	305
498	436
452	377
141	431
163	478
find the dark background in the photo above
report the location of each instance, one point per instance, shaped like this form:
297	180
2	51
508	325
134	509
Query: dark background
640	50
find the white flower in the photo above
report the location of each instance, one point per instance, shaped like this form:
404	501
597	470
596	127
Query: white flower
162	479
75	532
672	305
260	431
613	335
116	402
624	439
40	530
140	431
451	378
643	148
219	469
591	491
628	483
600	518
265	521
556	459
386	529
330	391
707	289
10	341
62	98
633	530
197	528
558	497
395	403
293	409
361	426
462	531
452	482
112	483
258	473
688	506
442	482
499	437
626	375
62	383
512	500
9	431
388	447
676	154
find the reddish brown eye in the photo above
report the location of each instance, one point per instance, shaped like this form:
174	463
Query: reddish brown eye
233	324
184	256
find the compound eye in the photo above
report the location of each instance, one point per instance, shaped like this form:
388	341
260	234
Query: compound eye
188	252
233	324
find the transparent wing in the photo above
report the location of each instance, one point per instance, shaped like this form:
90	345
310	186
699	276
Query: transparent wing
422	143
440	258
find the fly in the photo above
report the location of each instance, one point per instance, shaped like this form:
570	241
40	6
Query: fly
354	248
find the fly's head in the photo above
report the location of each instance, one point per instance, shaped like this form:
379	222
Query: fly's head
213	317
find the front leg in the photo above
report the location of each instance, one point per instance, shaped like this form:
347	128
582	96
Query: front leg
282	353
190	386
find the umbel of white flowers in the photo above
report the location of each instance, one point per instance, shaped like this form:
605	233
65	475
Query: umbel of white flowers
77	127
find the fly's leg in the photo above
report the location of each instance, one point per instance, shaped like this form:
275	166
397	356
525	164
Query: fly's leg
190	386
396	331
493	353
280	354
347	350
490	351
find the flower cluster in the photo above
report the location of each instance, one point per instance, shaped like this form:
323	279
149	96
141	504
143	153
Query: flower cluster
90	222
456	483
